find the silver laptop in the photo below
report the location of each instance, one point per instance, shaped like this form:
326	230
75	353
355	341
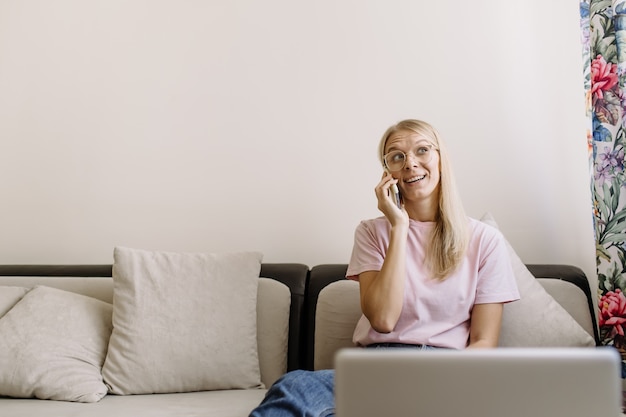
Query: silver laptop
504	382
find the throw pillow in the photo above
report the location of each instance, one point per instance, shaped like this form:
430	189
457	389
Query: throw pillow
53	346
183	322
537	319
9	296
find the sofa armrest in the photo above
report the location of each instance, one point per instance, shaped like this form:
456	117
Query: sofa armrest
294	276
319	277
549	274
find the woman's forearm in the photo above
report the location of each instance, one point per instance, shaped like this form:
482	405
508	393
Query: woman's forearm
382	292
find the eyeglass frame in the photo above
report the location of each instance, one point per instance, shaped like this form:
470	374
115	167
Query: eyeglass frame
430	146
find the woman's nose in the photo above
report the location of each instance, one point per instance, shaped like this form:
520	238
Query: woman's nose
411	160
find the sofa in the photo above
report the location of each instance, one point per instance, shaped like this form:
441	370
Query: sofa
303	316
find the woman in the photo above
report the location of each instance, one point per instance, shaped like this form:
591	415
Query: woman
430	277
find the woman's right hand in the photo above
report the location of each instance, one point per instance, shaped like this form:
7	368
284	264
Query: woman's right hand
382	292
386	201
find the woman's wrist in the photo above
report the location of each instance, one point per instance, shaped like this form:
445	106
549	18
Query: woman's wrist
401	228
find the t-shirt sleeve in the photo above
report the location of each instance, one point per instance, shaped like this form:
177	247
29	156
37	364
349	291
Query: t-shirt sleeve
496	279
368	252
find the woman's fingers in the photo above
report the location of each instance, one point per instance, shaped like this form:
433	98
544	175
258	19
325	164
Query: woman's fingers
382	191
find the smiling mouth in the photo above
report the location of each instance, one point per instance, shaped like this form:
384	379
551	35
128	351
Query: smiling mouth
415	179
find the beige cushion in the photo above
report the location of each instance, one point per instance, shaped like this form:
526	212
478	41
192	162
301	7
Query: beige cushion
53	345
337	313
573	299
183	322
9	296
226	403
537	319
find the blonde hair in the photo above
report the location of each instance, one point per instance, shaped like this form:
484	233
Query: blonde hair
449	240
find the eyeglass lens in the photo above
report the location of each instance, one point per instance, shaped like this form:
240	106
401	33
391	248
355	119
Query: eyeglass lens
395	160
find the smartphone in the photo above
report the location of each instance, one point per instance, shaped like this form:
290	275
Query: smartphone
396	194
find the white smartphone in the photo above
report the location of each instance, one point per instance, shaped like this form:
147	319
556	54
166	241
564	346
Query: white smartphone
396	195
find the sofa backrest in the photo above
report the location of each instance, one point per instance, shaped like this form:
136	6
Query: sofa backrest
279	303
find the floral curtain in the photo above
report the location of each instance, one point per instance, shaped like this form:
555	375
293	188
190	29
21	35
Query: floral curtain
603	25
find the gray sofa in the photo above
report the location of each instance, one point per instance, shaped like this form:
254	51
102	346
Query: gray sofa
318	309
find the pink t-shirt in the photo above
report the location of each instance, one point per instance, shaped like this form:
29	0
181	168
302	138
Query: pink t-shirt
435	312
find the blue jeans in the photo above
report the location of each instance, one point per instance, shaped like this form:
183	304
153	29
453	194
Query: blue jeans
302	393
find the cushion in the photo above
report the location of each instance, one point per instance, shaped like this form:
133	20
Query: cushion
9	296
53	346
336	315
224	403
183	322
537	319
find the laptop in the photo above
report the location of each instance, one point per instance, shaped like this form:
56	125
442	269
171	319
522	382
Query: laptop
503	382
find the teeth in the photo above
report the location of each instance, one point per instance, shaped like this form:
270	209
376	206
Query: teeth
419	178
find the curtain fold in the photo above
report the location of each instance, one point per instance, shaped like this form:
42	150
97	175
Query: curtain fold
603	33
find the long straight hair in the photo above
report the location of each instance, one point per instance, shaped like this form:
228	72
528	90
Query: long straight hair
450	237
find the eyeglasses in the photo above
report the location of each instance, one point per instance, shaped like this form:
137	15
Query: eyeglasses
396	160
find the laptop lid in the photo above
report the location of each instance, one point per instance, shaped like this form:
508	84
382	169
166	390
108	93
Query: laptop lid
511	382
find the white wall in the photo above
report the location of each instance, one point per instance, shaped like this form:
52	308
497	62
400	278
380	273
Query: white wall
247	125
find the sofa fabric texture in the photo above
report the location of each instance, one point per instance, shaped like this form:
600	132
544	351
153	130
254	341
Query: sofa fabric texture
9	296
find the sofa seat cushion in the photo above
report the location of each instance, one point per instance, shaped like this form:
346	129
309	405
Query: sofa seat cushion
228	403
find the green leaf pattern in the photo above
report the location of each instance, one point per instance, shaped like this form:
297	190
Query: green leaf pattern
603	35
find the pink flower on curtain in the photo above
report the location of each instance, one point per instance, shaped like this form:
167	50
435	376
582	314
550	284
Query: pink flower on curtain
603	76
613	311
